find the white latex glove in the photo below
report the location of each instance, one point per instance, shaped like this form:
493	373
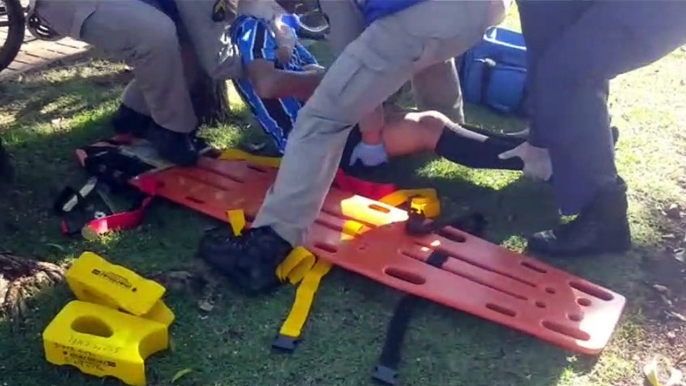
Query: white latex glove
369	155
537	165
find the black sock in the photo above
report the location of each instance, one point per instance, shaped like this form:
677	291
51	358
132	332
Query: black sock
515	141
475	154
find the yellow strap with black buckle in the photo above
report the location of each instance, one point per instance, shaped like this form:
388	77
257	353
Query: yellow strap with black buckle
300	266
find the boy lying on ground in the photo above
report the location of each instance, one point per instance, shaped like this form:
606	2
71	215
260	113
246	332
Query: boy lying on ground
275	93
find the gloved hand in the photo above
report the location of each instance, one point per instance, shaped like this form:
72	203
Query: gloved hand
537	165
369	155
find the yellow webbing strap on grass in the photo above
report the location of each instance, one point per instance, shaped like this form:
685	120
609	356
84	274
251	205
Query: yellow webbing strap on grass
304	295
300	266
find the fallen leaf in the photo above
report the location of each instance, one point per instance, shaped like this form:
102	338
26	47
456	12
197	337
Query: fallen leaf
205	306
671	337
679	254
661	289
56	246
667	301
256	146
181	373
673	212
57	122
650	371
180	275
676	315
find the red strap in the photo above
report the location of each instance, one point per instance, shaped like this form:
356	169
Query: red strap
120	221
368	189
131	219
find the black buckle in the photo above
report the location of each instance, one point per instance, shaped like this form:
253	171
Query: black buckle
285	343
416	223
385	375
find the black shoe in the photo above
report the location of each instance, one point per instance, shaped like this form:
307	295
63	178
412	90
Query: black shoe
129	121
249	260
178	148
602	227
200	143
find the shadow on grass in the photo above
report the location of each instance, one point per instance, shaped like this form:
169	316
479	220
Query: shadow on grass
230	345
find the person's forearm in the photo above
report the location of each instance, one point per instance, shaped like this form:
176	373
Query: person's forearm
371	126
299	85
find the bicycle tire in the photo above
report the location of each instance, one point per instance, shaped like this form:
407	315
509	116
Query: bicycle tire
15	34
313	32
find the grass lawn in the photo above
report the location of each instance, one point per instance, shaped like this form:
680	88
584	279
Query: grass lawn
44	117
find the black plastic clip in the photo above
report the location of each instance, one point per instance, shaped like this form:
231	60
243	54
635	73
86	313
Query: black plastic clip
385	375
416	223
285	343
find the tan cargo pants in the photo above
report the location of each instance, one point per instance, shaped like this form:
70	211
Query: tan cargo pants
144	37
435	88
371	68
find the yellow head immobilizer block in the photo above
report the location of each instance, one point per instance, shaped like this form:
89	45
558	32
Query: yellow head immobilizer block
103	342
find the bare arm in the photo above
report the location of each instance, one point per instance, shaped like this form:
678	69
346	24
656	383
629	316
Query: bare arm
270	82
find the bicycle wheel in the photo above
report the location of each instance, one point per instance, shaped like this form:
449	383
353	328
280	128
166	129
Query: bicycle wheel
11	30
313	25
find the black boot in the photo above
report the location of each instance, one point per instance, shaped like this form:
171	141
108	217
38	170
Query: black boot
602	227
249	260
128	121
178	148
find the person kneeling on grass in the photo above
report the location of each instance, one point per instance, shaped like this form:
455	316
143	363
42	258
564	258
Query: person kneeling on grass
275	93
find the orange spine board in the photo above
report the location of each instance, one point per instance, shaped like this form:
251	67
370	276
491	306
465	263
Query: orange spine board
479	277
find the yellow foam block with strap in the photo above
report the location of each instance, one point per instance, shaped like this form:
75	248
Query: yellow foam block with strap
94	279
101	341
